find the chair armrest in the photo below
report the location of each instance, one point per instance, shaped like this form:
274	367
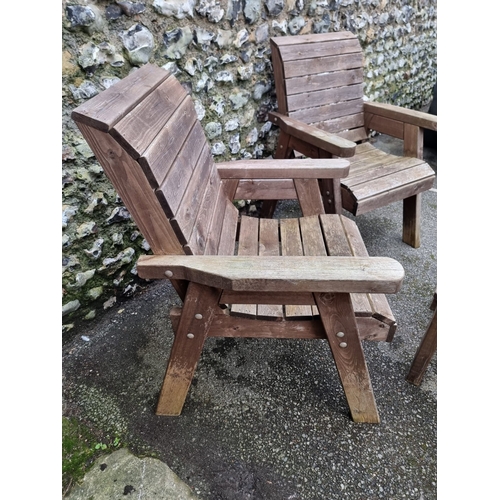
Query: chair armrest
313	135
324	168
278	274
412	117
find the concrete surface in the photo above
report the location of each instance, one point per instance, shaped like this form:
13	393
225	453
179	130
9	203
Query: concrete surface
122	474
267	419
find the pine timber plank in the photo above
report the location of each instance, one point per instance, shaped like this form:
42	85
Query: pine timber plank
293	69
322	97
189	207
229	230
306	168
337	316
384	125
266	189
291	244
339	242
354	135
328	111
286	41
216	221
426	349
133	188
412	208
323	81
161	153
248	244
378	304
397	180
197	241
177	179
279	79
225	325
413	141
398	113
138	128
341	124
269	245
188	343
105	109
312	241
309	196
380	169
301	51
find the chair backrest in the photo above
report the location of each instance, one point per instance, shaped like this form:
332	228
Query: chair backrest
319	81
145	133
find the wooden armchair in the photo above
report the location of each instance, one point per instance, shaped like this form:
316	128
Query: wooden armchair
237	277
321	114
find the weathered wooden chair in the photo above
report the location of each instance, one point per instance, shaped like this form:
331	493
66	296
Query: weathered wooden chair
314	270
321	113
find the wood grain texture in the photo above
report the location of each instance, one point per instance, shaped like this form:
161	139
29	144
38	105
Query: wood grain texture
291	244
248	245
426	349
302	274
269	246
133	188
312	135
337	316
309	196
186	350
105	109
324	168
138	128
398	113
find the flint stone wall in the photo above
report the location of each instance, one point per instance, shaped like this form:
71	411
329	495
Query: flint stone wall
219	49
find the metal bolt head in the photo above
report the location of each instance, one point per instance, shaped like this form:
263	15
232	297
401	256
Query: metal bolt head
190	336
169	274
340	334
343	344
198	316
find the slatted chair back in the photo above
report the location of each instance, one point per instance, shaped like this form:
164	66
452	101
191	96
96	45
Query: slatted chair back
155	153
319	81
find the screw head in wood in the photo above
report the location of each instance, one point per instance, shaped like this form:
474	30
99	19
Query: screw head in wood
198	316
190	336
169	274
343	344
340	334
328	193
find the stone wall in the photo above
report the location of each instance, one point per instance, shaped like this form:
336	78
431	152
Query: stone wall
220	50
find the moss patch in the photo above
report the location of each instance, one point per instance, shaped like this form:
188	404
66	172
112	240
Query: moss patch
80	449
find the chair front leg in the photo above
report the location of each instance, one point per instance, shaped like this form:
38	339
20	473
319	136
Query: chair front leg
339	322
412	208
413	147
200	306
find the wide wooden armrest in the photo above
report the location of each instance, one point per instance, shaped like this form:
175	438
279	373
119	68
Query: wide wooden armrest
278	274
313	135
412	117
324	168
